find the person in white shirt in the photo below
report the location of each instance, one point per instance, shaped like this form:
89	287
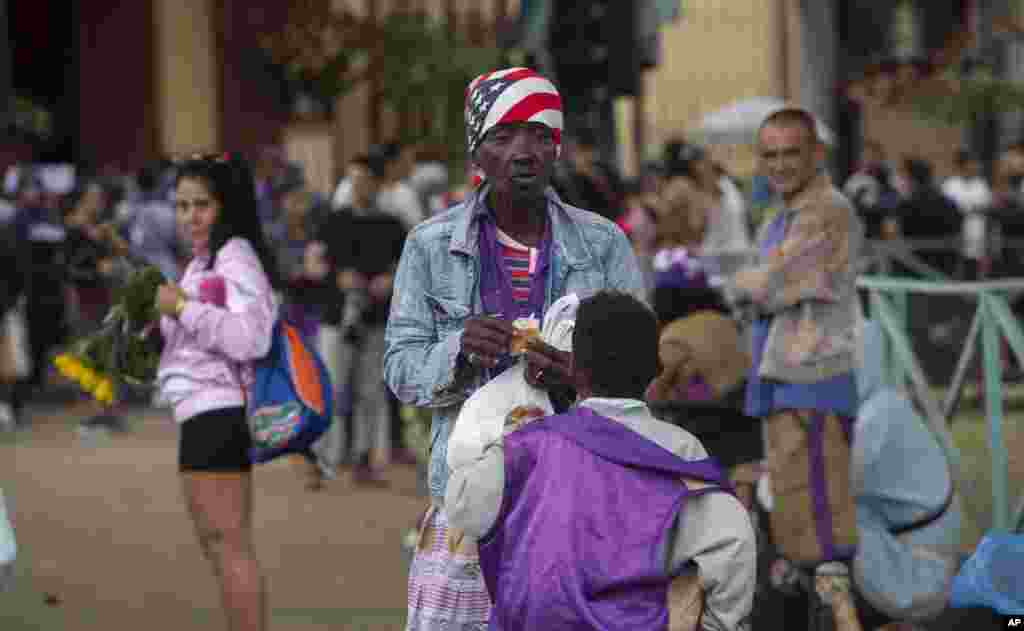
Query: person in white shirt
973	196
396	196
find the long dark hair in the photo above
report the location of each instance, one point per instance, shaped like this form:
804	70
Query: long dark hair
230	181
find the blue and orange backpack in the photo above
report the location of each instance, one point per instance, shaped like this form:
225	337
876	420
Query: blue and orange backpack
290	402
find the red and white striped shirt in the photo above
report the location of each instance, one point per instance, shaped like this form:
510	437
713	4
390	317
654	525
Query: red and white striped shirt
521	263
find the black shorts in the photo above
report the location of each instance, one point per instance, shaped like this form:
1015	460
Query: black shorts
217	440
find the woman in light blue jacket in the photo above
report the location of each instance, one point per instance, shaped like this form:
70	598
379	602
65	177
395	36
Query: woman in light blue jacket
908	511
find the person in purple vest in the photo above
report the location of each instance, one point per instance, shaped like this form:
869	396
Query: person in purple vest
584	519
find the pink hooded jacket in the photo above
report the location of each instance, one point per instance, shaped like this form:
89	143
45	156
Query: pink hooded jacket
226	324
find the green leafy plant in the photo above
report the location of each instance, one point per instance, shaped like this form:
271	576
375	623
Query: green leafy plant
322	52
956	85
136	300
424	67
966	99
123	350
421	65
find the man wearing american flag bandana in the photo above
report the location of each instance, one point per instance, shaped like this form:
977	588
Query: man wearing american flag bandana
509	251
511	95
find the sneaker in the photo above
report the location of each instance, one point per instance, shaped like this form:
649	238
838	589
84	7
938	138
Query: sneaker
832	602
318	472
107	421
92	435
326	471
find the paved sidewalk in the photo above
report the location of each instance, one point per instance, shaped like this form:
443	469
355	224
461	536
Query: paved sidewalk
105	543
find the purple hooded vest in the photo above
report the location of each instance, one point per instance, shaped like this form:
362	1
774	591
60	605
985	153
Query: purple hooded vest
587	501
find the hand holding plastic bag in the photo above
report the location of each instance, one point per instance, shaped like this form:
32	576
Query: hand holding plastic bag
481	421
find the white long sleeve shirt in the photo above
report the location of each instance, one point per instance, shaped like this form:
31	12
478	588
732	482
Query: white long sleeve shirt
713	530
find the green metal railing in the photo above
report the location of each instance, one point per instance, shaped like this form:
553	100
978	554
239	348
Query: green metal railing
993	321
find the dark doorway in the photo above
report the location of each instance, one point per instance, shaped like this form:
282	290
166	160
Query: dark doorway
43	36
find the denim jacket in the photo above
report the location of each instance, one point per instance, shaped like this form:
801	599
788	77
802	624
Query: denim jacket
437	287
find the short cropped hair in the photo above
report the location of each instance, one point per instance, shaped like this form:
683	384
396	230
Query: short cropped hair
615	340
793	116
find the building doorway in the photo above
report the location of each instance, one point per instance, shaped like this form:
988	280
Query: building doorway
43	40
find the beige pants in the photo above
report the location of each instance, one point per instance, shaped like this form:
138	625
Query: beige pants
7	364
813	517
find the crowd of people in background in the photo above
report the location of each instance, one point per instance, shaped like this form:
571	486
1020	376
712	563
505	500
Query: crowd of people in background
64	242
68	233
979	212
686	199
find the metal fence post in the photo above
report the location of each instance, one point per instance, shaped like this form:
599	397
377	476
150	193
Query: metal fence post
899	302
993	320
888	355
994	411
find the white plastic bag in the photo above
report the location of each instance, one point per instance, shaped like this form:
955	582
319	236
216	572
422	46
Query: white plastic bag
482	418
8	547
559	322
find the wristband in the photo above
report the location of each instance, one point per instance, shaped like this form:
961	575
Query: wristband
179	306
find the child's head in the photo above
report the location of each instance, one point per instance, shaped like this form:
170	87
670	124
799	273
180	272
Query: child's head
615	346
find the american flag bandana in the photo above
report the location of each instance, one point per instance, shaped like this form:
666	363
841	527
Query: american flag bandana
512	95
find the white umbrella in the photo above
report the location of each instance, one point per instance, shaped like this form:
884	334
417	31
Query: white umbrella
738	122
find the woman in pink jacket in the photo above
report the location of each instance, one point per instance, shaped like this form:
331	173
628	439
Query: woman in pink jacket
216	321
